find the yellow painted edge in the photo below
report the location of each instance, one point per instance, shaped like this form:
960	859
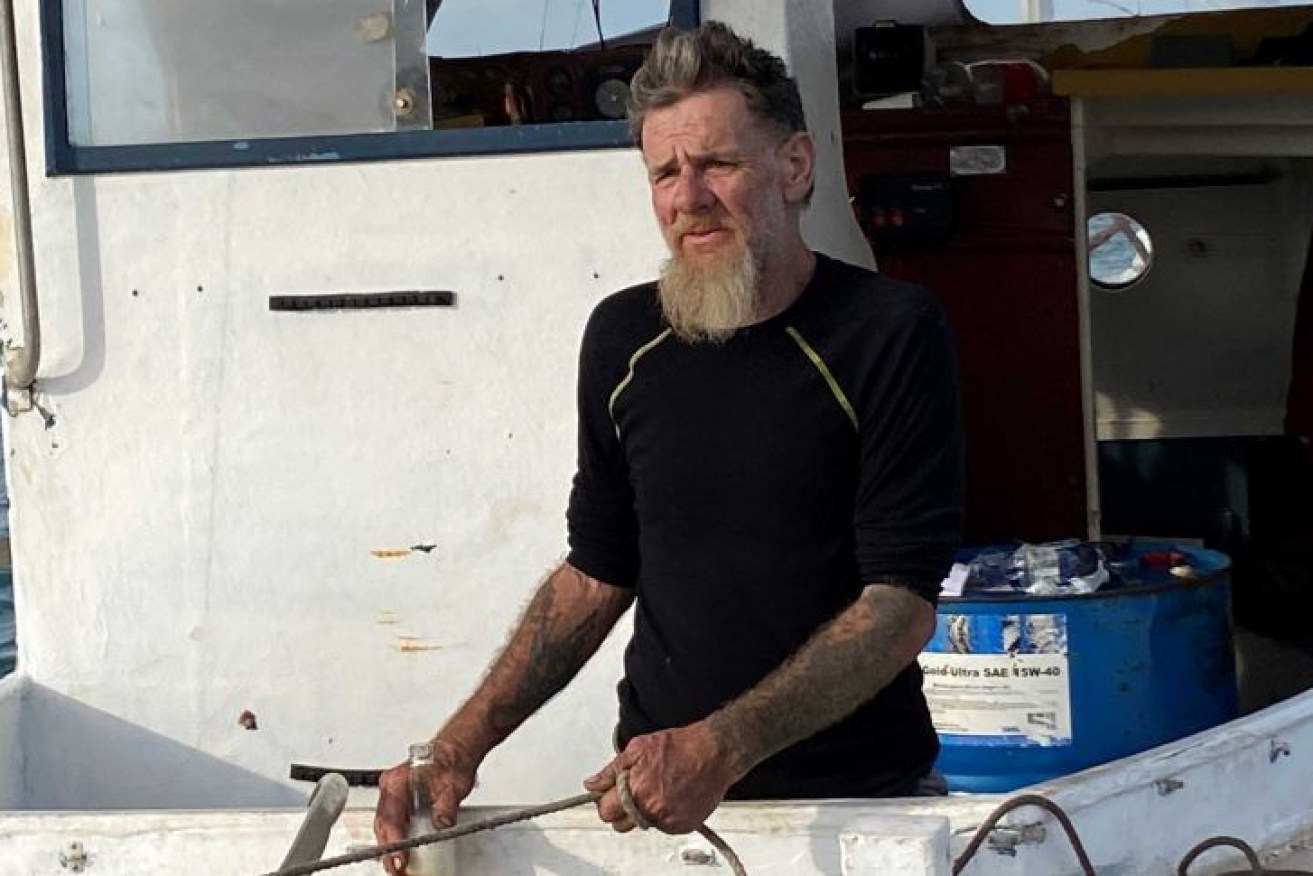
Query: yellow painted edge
825	373
633	362
1192	81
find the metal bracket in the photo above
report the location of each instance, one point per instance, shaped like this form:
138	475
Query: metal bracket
74	857
411	101
1168	786
1004	840
697	857
18	401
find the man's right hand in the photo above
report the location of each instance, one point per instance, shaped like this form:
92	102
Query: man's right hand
446	783
564	624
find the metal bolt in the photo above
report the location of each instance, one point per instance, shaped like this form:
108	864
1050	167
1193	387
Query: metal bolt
697	857
1168	786
74	857
403	103
375	28
1005	840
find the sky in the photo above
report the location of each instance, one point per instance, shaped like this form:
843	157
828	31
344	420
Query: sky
488	27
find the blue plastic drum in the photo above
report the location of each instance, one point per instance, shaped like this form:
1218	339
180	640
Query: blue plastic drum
1025	689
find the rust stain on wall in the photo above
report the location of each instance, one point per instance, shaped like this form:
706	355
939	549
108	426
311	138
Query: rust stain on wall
396	553
414	644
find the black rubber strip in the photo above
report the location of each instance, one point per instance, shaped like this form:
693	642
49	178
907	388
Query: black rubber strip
355	778
360	301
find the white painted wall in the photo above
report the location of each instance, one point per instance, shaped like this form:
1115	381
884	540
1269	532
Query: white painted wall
196	504
1202	346
217	475
1246	125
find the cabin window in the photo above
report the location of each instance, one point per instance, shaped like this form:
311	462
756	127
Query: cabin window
1121	251
154	84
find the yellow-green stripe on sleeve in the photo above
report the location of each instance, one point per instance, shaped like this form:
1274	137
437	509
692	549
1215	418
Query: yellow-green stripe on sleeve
825	373
633	362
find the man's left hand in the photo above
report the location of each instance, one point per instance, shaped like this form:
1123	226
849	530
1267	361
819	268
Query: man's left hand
676	778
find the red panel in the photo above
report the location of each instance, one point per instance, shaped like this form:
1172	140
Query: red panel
1007	277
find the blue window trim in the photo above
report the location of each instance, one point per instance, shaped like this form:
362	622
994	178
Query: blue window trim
64	158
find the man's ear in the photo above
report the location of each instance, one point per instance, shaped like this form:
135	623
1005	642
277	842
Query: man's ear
797	156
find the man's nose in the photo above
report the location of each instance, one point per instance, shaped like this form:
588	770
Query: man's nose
691	192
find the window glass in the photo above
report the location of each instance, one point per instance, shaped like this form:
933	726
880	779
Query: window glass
161	71
546	61
142	72
1121	251
461	28
1028	11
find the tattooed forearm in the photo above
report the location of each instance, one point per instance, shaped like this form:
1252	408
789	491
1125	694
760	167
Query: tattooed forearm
565	622
843	665
559	644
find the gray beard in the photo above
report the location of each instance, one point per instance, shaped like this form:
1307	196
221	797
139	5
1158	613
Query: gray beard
706	304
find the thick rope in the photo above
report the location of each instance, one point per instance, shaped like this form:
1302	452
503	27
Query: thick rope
627	801
1214	842
719	844
1087	868
449	833
1015	803
512	817
640	821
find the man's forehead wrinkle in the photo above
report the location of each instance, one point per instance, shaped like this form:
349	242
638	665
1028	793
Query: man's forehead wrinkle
682	155
712	125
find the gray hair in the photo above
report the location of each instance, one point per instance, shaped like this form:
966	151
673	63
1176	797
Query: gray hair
686	62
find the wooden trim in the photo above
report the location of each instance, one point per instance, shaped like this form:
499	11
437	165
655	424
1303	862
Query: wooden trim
1189	81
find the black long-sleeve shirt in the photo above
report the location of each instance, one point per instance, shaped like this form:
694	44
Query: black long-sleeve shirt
750	489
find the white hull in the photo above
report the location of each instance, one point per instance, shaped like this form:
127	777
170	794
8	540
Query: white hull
177	811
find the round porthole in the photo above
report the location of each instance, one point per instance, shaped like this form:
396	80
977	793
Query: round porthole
1121	251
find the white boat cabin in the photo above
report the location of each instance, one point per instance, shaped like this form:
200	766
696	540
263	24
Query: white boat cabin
292	294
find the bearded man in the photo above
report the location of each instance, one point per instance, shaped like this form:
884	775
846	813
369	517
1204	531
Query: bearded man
769	471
